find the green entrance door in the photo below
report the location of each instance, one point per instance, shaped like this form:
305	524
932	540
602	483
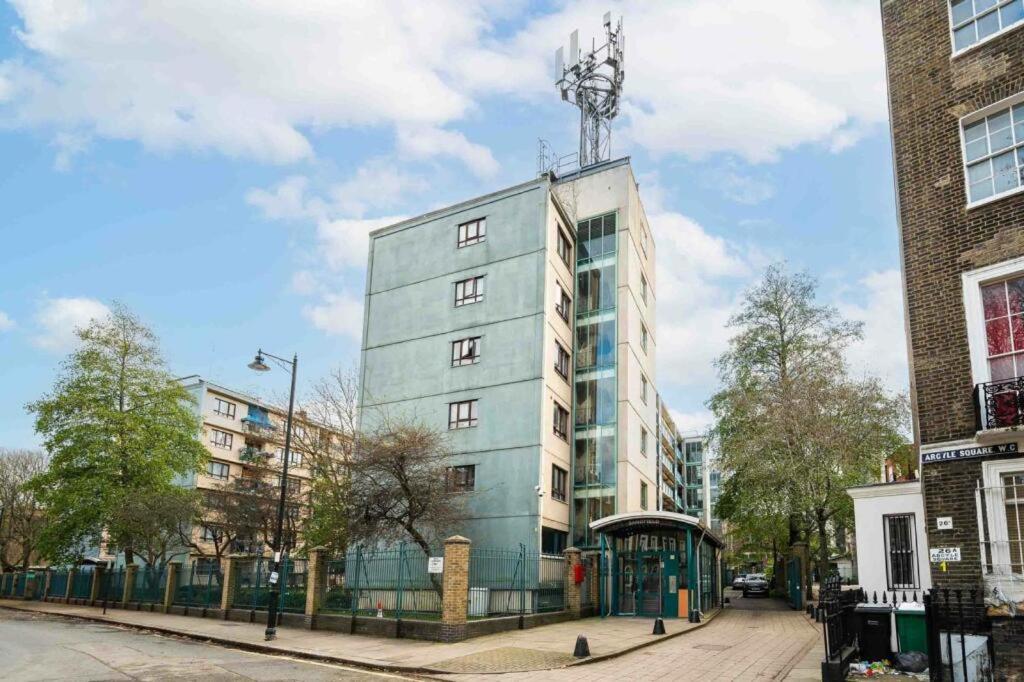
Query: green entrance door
658	583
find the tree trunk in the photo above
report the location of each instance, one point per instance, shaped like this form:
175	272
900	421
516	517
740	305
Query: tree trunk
435	579
822	525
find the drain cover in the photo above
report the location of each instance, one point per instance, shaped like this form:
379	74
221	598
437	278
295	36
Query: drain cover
713	647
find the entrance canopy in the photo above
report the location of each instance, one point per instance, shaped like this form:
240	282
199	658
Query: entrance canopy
632	523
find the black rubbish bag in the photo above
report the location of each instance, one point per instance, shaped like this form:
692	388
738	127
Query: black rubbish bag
911	662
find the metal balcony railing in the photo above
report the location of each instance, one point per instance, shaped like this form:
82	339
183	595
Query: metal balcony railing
258	429
999	404
253	454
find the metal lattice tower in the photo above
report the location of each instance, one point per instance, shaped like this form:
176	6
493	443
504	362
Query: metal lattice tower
593	81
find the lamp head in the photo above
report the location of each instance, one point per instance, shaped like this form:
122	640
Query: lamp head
259	364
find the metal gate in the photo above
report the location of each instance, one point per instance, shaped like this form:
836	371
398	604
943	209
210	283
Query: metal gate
794	583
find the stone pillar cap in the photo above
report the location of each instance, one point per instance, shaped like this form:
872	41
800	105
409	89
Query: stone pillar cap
458	540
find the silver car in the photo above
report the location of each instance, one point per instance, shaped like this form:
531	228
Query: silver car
737	582
755	583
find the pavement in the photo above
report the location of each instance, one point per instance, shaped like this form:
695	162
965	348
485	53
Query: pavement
754	638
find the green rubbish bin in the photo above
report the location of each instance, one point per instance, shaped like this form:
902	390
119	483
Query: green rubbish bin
911	630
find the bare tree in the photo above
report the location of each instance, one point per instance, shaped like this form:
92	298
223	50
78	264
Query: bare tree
398	485
153	525
22	517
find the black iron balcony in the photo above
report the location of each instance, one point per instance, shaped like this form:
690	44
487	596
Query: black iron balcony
999	404
258	429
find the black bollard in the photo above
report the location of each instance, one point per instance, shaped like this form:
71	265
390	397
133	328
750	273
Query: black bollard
582	649
659	627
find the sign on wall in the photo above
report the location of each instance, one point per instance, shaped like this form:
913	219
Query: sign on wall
968	453
944	523
435	564
940	554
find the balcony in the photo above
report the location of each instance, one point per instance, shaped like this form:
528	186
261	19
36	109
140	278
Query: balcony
253	454
999	405
258	429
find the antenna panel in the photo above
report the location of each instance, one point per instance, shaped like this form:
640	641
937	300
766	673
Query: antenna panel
574	47
559	64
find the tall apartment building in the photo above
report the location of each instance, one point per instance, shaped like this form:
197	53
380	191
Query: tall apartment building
522	322
245	438
956	96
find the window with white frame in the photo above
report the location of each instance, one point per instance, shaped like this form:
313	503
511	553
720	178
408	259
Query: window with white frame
564	247
224	408
900	551
1003	496
563	304
472	232
462	414
218	470
559	483
976	20
561	361
561	422
294	457
469	291
221	439
466	351
993	144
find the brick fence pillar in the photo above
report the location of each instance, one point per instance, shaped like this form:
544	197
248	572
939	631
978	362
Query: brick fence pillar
455	598
97	584
130	572
170	587
316	578
227	569
573	595
594	581
32	585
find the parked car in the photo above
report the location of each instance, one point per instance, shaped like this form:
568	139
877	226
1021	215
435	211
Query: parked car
755	583
737	582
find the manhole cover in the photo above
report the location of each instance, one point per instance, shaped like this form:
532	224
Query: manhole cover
713	647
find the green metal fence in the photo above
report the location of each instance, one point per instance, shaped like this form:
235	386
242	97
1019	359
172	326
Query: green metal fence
112	585
505	582
252	587
150	585
198	585
81	585
395	583
58	583
20	580
6	581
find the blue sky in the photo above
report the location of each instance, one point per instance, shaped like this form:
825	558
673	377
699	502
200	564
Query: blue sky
217	170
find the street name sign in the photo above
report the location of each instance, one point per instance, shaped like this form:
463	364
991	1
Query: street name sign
968	453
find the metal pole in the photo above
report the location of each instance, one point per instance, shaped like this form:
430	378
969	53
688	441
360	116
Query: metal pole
271	631
106	588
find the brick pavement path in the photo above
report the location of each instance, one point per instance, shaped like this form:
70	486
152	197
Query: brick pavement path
747	641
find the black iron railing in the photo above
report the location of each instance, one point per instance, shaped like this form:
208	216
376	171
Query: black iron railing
999	404
956	620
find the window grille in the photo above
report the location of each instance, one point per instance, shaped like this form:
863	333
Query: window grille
900	551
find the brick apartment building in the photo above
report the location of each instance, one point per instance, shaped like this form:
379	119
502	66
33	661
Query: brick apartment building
956	98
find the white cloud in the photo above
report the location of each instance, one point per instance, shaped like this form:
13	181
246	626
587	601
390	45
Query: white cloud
377	184
883	350
6	323
426	141
68	145
305	283
260	80
58	318
345	242
288	200
337	314
741	187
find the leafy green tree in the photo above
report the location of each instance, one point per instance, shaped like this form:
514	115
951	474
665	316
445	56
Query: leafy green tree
790	419
118	428
22	518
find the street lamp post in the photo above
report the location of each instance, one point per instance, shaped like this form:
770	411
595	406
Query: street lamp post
260	365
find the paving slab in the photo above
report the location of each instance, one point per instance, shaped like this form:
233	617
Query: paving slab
541	648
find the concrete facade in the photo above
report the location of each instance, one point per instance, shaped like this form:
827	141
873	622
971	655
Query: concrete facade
530	483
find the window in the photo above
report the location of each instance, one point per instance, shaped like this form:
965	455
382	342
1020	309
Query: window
466	351
210	534
460	479
564	248
900	549
643	389
595	289
595	343
994	153
294	457
643	442
643	337
207	565
218	470
223	408
561	361
595	237
643	495
469	291
1003	537
559	483
1013	512
595	401
553	541
563	304
472	232
1003	305
976	20
222	439
643	288
294	486
561	422
462	415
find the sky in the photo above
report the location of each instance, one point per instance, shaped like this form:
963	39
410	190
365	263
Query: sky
216	167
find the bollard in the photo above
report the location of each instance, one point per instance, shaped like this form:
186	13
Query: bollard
659	627
582	649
